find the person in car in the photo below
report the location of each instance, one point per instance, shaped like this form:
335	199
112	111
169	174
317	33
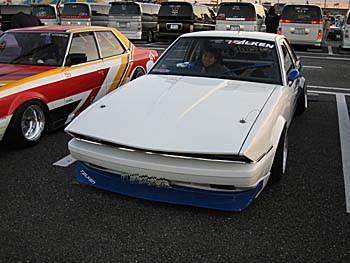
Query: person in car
210	62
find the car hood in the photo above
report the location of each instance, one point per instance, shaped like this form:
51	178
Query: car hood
13	72
176	114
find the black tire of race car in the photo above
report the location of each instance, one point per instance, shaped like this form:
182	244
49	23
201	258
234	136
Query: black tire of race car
301	102
14	136
279	165
138	73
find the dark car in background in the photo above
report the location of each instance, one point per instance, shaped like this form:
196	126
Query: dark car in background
7	11
177	18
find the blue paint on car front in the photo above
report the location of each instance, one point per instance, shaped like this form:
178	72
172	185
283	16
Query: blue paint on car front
226	201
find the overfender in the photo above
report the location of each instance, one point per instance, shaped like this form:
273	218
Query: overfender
23	98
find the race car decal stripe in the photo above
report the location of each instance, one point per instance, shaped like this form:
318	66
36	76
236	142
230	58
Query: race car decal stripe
17	75
128	76
122	69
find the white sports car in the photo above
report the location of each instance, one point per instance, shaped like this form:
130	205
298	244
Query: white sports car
194	134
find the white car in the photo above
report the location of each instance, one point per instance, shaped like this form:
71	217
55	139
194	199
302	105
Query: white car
182	136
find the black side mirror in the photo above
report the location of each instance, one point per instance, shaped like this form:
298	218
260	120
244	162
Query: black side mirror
76	58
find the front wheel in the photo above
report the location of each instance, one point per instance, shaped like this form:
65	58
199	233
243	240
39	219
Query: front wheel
27	125
279	165
138	73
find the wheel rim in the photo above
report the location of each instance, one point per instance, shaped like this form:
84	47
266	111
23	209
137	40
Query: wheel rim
33	122
285	154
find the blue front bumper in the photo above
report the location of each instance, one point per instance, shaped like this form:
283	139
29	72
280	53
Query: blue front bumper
226	201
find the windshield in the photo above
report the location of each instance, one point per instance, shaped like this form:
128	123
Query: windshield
301	13
226	58
28	48
125	9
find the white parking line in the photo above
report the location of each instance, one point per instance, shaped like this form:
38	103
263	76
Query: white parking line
326	57
328	88
65	161
316	67
344	132
330	50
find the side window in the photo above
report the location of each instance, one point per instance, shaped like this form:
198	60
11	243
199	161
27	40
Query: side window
287	59
84	43
109	44
197	13
291	51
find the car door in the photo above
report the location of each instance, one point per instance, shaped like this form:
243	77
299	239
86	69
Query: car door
84	73
115	57
289	63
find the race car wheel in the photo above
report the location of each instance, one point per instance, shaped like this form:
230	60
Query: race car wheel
138	73
27	124
301	102
279	165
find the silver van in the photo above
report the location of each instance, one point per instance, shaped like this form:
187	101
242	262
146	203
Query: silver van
48	14
302	24
239	16
87	14
135	20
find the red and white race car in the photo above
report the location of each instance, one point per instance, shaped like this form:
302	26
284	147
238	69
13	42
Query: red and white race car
50	74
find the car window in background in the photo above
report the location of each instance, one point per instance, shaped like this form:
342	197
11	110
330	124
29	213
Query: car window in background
301	13
236	11
109	44
125	9
76	10
175	10
44	12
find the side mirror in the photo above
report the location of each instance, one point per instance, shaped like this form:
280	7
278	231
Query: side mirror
76	58
293	75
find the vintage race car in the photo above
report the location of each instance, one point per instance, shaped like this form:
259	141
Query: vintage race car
189	134
50	74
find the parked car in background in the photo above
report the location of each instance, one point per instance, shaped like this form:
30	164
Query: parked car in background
346	32
48	14
176	18
238	16
7	11
137	21
50	74
188	135
302	24
85	13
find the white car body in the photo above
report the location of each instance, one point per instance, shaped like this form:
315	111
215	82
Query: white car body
346	32
186	135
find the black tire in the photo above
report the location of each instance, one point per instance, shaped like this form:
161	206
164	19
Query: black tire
279	165
150	36
27	125
301	102
138	73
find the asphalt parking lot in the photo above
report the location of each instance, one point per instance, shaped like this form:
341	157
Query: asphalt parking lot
47	216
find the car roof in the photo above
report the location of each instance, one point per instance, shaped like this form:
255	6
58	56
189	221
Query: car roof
58	28
240	34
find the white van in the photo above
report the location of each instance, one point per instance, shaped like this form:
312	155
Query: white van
87	14
240	16
302	24
135	20
346	31
48	14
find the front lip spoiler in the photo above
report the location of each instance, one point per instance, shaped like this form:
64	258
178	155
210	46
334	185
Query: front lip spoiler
224	201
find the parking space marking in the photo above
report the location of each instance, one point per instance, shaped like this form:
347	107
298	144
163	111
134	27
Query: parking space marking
330	50
316	67
65	161
344	132
326	57
328	88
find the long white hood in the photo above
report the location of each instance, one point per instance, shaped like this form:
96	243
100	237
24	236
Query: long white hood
176	114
